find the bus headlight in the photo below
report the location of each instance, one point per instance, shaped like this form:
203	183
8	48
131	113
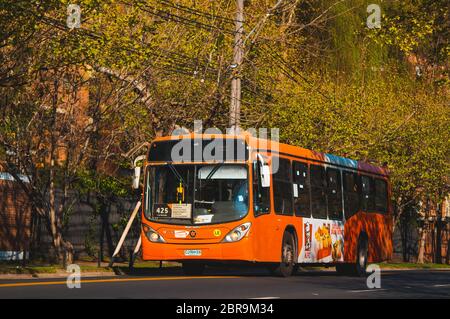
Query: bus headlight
152	235
237	233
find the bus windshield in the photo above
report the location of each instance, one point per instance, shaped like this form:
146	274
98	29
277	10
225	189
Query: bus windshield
196	194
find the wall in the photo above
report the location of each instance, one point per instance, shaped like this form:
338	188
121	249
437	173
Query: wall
83	229
15	219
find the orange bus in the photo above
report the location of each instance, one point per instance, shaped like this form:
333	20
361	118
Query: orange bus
244	199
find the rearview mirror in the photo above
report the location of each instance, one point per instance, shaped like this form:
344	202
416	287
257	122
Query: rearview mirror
136	177
137	172
265	175
264	171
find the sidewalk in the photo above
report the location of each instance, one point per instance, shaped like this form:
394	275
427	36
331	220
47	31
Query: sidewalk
88	269
56	275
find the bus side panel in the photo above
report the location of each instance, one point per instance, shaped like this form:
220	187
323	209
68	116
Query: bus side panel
270	231
378	228
267	239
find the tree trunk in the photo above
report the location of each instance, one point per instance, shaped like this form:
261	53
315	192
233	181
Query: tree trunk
105	230
52	212
421	254
108	235
438	253
448	247
403	229
404	238
63	249
102	232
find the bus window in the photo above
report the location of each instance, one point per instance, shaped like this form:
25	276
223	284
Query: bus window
334	194
367	194
201	194
261	195
282	188
318	192
301	189
351	197
380	195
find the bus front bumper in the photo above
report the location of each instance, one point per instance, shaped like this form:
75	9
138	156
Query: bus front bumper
240	250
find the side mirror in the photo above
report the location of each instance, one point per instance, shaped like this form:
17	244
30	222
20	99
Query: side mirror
137	172
136	177
264	171
265	175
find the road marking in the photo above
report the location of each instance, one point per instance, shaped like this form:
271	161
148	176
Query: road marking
444	285
45	283
265	298
366	290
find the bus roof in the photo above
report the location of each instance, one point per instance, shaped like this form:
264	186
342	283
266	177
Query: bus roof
287	150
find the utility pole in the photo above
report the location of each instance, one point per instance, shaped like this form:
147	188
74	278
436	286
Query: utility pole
238	53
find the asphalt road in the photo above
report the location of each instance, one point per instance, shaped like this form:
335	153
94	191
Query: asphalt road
238	283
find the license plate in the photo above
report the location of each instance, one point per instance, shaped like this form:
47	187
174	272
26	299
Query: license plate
192	252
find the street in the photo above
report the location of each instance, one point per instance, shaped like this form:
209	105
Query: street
236	284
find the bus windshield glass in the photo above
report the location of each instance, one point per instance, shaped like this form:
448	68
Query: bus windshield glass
196	194
199	150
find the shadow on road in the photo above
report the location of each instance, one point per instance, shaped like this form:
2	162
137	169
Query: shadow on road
241	271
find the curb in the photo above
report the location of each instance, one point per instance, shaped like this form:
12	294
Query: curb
416	269
56	275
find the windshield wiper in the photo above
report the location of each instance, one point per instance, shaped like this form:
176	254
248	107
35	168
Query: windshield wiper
213	171
175	172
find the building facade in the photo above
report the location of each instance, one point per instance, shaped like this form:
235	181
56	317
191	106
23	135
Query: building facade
15	219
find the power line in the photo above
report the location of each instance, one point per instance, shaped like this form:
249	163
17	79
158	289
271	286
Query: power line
197	12
282	63
168	16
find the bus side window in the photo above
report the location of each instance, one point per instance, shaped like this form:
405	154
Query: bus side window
301	189
261	195
318	191
334	194
351	194
282	187
367	194
381	195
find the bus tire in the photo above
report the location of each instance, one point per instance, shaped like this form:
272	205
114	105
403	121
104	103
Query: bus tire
361	257
286	267
193	268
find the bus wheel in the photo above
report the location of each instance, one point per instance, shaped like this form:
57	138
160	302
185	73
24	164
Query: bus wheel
286	267
193	268
361	258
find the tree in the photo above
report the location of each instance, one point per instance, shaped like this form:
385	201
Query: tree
75	100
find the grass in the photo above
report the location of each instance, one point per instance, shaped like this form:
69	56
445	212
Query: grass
90	266
31	270
413	266
42	268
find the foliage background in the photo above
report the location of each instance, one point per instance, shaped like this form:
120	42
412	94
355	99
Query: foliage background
72	102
